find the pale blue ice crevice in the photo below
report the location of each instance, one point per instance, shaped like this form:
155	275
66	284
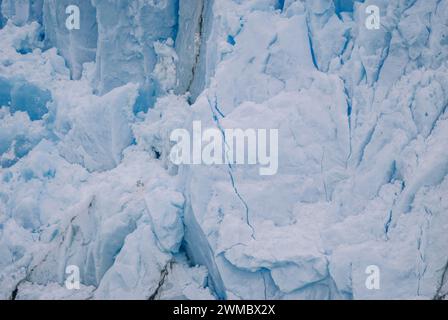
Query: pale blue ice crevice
194	67
214	108
198	250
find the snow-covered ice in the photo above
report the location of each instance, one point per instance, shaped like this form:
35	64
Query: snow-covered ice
86	178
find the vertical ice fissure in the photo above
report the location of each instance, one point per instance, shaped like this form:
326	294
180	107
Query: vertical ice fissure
443	280
230	168
197	47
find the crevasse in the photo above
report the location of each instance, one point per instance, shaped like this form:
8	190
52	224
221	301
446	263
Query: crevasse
85	175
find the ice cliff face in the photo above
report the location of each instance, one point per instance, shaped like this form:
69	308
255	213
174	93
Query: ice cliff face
86	180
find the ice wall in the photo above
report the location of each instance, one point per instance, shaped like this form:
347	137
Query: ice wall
362	165
22	11
196	46
55	134
126	42
2	19
188	42
351	192
76	46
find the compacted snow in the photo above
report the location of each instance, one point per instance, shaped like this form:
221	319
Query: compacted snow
86	178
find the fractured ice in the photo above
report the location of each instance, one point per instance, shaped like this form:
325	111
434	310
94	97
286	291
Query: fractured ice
86	178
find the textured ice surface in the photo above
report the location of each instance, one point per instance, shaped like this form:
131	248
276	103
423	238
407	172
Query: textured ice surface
86	179
22	11
76	46
127	32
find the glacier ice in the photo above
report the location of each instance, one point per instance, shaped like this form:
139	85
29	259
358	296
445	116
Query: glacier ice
86	178
126	36
22	11
76	47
